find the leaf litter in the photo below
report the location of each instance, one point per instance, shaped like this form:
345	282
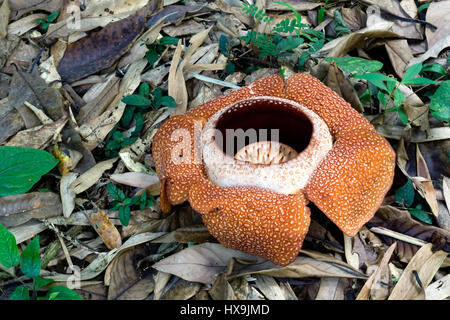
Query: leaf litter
62	91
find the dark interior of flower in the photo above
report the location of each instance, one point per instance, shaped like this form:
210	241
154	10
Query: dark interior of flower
263	120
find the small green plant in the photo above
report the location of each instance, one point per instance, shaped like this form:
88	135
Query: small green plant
274	44
124	204
157	47
45	23
137	105
387	87
254	11
321	13
30	265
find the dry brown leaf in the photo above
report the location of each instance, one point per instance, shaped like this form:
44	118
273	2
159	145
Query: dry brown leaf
39	137
446	190
126	282
161	280
105	229
399	54
90	177
201	263
4	18
135	179
25	24
221	289
20	208
329	289
433	51
437	14
181	290
424	264
373	283
342	45
269	287
67	194
428	190
177	86
439	289
27	230
352	258
339	83
184	29
21	7
313	265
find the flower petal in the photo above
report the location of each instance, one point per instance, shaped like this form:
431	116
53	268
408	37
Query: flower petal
257	221
353	179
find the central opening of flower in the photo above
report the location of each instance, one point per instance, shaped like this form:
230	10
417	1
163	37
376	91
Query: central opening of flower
252	129
265	142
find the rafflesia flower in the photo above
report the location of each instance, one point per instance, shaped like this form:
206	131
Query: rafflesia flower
249	163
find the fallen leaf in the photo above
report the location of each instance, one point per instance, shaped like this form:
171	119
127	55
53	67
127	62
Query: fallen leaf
39	137
401	221
126	279
181	290
425	263
161	280
67	194
92	54
21	7
20	208
4	18
201	263
90	177
373	283
221	289
429	193
399	54
437	15
439	289
269	287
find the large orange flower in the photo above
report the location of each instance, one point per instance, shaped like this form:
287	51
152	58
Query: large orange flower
253	197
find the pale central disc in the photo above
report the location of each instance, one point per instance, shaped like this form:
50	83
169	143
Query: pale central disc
266	152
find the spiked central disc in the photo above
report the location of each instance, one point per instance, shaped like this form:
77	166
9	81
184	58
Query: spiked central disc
266	152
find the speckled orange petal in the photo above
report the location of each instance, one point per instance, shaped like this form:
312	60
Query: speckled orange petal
177	161
337	113
353	179
257	221
267	86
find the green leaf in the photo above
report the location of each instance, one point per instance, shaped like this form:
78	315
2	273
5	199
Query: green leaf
420	214
289	43
21	293
382	98
52	16
419	80
423	7
320	15
434	67
377	79
230	68
405	194
30	261
152	56
21	168
127	115
223	45
168	101
412	71
144	89
124	215
168	41
9	253
440	103
40	21
139	124
357	65
40	282
115	192
61	293
45	26
137	100
403	116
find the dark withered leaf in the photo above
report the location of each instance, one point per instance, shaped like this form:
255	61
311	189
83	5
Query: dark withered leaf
32	88
101	49
401	221
20	208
